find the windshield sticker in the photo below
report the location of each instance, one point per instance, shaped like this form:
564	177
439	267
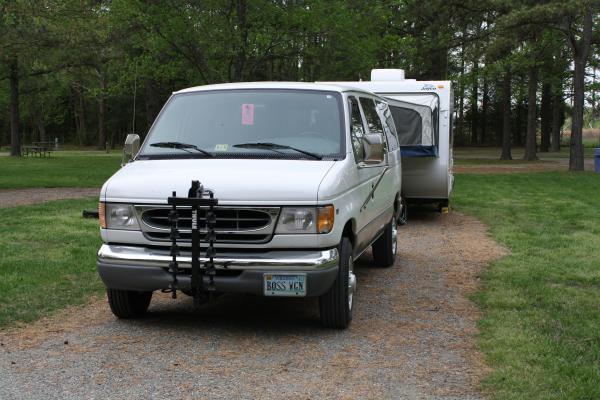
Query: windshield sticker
247	114
221	147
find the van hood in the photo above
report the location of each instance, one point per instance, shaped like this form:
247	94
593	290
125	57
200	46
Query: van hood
234	181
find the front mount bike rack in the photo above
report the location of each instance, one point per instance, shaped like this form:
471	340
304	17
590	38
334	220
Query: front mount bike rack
198	199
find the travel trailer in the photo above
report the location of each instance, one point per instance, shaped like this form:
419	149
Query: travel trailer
422	112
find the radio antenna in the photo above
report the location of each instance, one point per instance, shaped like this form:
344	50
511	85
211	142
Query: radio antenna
134	96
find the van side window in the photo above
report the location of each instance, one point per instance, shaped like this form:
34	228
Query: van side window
375	125
389	127
357	129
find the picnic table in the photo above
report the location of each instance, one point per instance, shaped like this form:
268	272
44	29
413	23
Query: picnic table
41	149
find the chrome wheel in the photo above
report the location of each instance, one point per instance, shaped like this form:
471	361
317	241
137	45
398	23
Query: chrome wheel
351	282
402	213
394	238
335	306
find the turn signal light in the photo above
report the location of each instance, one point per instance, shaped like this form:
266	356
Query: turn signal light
325	219
102	215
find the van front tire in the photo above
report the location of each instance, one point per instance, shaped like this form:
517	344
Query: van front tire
126	304
402	217
386	247
336	305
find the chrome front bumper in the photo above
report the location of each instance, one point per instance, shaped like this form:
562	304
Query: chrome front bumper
276	260
146	269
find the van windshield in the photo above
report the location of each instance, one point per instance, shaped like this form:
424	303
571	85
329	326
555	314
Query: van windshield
300	124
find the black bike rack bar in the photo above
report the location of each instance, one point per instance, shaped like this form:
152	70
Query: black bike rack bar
198	198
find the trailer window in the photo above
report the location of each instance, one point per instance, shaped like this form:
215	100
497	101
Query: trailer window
408	124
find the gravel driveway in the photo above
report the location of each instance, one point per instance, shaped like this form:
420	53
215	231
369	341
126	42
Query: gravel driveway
412	337
21	197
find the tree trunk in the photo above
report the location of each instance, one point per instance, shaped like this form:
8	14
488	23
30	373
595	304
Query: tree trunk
461	103
485	105
506	113
39	122
576	153
518	123
530	140
461	111
557	105
546	117
152	102
474	99
438	56
581	50
15	136
593	98
498	118
102	113
240	62
79	102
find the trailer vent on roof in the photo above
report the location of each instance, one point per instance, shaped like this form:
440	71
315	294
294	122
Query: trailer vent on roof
387	74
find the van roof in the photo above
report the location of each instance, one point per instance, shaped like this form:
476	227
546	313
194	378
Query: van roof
275	85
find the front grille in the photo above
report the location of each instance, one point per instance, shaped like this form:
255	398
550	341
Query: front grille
221	237
234	224
227	219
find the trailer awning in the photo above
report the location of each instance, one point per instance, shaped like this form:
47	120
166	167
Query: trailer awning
416	120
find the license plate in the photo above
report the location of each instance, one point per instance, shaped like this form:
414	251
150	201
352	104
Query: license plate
284	284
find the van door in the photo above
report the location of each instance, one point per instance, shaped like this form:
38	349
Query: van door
386	184
393	179
366	176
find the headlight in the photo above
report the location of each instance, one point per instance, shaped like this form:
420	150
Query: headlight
305	220
117	216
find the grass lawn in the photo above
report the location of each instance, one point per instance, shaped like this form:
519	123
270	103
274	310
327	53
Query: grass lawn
492	154
47	259
63	169
541	325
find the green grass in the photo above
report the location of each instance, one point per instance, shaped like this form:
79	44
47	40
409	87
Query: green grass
494	162
63	169
541	304
492	154
541	325
47	259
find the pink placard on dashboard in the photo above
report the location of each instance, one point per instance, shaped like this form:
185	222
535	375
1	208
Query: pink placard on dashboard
247	114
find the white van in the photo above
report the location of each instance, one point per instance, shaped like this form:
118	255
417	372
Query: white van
273	189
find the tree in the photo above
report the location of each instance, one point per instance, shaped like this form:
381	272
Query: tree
580	40
15	40
28	42
575	19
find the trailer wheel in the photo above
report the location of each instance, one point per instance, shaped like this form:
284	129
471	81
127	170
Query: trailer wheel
402	218
127	304
335	306
386	247
444	206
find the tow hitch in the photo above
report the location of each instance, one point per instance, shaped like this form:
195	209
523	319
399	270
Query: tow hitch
198	198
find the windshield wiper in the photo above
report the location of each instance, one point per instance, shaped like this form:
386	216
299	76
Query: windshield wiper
274	147
181	146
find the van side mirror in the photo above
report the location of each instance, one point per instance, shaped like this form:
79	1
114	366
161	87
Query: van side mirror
131	148
374	149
